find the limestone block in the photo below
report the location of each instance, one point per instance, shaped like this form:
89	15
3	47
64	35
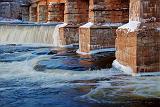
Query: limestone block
69	34
5	9
139	49
56	12
96	37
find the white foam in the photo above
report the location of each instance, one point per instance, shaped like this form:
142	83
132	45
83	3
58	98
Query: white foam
131	26
96	51
128	70
23	73
69	46
25	69
158	28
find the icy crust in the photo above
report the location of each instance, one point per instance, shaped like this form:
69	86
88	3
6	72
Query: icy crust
112	24
131	26
96	51
90	24
87	25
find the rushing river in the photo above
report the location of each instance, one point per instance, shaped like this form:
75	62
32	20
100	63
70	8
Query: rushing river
32	76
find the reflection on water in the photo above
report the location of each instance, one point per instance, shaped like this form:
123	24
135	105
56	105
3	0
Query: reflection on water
57	77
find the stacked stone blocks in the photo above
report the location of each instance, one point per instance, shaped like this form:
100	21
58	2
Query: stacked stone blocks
140	49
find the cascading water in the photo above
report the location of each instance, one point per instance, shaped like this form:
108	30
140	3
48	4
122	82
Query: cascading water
41	76
29	34
56	37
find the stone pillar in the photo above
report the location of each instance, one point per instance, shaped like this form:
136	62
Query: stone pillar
56	12
42	13
25	12
16	10
75	14
33	13
10	9
105	16
138	42
5	9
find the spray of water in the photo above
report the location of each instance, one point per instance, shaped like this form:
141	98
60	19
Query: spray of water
30	34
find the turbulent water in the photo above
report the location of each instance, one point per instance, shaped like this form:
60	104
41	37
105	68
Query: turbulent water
30	33
57	77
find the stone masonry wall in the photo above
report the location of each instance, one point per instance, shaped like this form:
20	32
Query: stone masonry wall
75	14
114	11
25	12
139	47
76	11
106	16
47	10
33	13
56	12
42	13
11	8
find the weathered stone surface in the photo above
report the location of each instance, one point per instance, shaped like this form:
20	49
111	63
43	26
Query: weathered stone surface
102	11
140	48
69	34
112	12
42	13
33	13
145	10
75	14
96	37
47	10
12	8
76	11
5	9
25	12
56	12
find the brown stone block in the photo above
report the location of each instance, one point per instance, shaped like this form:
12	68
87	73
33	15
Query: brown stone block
84	39
69	35
97	37
141	49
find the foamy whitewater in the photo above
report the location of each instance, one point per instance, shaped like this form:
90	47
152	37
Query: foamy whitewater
47	76
30	34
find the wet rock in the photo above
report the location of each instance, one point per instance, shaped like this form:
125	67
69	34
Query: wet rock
39	67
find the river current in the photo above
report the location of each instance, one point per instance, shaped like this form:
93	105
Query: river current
45	76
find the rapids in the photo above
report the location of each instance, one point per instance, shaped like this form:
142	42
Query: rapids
45	76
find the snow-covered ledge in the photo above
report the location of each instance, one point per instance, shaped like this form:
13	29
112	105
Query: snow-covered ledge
87	25
131	26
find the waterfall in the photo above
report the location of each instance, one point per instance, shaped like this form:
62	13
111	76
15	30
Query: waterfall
56	37
29	34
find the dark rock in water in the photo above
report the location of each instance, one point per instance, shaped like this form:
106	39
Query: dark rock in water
52	52
11	45
39	67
